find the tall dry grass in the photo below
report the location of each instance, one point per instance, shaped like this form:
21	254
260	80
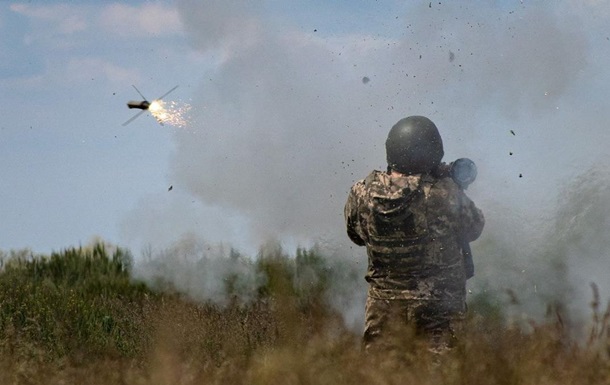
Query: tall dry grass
80	317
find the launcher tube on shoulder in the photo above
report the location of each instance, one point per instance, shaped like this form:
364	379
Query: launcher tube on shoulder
463	171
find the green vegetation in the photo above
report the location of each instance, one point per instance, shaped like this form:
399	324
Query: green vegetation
80	301
80	316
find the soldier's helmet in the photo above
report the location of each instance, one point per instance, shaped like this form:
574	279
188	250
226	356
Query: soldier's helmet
414	146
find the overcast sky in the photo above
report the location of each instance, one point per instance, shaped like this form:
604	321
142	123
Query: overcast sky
291	103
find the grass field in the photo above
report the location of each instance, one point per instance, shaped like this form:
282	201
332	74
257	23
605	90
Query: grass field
80	316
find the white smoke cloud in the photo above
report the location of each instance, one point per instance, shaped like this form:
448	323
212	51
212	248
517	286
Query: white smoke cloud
222	26
286	124
580	239
206	272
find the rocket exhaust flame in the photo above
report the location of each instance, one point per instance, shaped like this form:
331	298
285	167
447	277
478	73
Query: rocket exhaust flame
171	113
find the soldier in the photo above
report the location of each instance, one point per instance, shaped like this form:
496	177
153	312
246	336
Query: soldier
413	220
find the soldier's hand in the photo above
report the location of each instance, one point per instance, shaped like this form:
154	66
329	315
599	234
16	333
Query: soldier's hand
442	171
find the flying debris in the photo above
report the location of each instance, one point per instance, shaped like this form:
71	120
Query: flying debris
155	107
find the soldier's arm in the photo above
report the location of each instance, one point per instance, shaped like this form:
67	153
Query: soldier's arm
352	221
472	219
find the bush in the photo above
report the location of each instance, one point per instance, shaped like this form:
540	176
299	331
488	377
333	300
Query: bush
79	300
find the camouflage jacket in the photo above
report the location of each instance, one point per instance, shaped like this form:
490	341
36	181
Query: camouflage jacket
412	227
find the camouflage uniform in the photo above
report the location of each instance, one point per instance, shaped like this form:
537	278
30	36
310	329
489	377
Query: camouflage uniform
412	226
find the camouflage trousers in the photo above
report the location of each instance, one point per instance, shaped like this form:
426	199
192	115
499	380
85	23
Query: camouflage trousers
394	323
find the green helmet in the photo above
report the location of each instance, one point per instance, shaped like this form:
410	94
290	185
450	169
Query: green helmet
414	146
